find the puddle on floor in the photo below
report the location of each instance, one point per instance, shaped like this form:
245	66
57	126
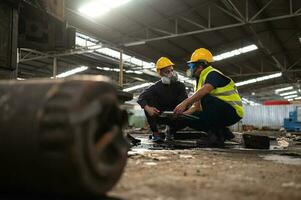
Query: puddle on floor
147	145
283	159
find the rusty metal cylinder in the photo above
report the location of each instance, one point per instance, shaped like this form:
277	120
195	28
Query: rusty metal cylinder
61	136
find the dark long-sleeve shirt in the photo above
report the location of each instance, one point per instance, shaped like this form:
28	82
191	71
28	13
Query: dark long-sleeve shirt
162	96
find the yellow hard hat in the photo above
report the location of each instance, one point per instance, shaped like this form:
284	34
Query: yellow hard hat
201	54
162	63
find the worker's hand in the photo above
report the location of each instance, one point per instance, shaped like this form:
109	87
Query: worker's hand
180	108
152	111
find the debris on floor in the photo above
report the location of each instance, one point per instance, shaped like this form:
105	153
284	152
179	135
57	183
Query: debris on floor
186	171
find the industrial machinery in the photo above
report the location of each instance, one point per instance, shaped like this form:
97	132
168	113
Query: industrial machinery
37	25
57	136
293	123
61	136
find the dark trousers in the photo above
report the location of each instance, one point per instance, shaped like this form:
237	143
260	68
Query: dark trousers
174	124
216	114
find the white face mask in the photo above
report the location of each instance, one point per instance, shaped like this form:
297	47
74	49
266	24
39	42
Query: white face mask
173	77
165	80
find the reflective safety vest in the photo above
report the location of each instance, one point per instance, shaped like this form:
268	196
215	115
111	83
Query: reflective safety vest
227	93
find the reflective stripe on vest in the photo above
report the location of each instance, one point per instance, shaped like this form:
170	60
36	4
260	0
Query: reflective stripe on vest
227	93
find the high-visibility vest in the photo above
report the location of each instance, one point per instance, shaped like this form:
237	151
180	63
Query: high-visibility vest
227	93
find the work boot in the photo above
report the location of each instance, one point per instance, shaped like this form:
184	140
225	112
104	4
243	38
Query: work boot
228	134
157	137
215	139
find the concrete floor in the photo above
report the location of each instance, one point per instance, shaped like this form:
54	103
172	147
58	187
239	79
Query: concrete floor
229	173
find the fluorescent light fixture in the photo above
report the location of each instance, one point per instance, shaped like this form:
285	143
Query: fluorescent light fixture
297	98
97	8
137	87
148	65
259	79
288	93
138	72
284	89
290	97
73	71
235	52
118	70
90	43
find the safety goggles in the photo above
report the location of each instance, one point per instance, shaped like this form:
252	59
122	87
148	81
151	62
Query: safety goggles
192	65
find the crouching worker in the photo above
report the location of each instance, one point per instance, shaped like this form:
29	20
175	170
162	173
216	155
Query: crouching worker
215	102
164	95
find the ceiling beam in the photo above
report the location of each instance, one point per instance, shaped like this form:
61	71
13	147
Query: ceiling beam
210	29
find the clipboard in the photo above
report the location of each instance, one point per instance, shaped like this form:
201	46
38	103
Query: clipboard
171	114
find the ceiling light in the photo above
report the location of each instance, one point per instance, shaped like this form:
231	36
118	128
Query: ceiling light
290	97
73	71
138	72
259	79
100	7
284	89
94	9
137	87
297	98
288	93
235	52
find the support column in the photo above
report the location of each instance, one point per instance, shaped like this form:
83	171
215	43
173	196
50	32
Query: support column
121	68
54	67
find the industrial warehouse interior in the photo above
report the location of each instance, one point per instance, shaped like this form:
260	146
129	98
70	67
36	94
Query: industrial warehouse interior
150	99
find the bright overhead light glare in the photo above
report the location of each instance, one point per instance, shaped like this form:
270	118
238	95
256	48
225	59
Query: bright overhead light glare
284	89
290	97
73	71
288	93
137	87
259	79
94	9
114	3
97	8
297	98
138	72
235	52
